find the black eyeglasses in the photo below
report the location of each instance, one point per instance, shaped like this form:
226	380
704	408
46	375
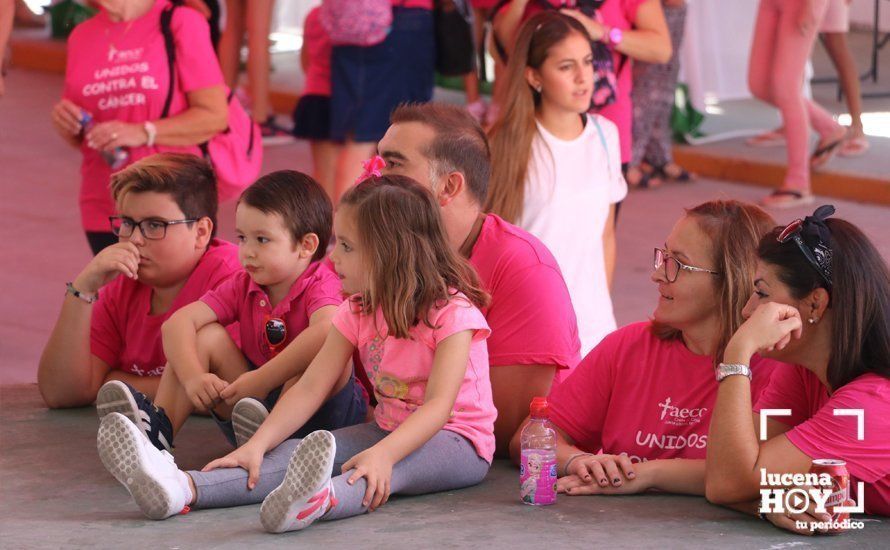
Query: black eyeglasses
151	228
276	333
819	258
672	266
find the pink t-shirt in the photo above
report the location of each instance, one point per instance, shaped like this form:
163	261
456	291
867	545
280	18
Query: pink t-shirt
124	333
119	71
531	315
644	396
818	433
619	14
318	48
399	368
424	4
241	299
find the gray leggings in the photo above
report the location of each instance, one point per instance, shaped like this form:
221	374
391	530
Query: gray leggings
447	461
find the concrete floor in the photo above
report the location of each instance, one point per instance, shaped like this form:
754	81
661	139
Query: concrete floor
54	492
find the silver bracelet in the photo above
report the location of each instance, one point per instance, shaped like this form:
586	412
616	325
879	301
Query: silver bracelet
69	289
573	457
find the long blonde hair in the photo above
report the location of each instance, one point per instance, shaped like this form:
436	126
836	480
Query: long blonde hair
510	139
412	266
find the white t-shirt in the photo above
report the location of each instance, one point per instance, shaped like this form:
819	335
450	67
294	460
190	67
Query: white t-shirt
568	191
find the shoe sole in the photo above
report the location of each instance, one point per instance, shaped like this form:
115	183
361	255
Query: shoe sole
115	397
123	456
247	415
310	466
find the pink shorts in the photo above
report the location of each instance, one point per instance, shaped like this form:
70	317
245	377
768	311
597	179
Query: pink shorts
837	17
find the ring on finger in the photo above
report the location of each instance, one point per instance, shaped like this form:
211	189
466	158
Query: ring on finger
113	135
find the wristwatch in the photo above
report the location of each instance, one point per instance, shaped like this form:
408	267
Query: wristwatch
732	369
151	131
614	36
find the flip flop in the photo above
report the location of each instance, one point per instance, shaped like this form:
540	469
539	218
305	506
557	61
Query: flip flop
786	198
854	147
771	138
823	154
683	176
647	180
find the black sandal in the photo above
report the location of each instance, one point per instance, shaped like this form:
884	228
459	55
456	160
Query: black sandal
683	176
825	152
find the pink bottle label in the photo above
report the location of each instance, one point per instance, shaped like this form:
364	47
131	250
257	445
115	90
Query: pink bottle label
537	477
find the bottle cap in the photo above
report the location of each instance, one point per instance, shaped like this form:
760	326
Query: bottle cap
539	407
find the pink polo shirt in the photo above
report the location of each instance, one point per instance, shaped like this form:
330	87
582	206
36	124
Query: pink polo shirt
819	433
125	334
638	394
241	299
531	315
119	71
399	368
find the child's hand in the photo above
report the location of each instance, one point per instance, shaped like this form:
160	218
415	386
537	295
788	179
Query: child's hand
376	468
120	258
248	456
203	390
249	384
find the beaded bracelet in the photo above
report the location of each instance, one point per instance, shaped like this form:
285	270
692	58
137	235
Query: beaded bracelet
78	294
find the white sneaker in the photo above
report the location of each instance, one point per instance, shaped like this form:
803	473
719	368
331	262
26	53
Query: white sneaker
306	493
247	415
150	475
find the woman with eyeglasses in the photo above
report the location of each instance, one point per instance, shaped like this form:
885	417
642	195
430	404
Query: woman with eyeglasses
645	394
822	302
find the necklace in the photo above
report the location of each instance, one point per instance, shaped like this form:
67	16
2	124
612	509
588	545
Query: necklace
117	40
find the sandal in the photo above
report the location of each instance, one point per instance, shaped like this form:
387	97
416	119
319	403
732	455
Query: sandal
854	147
823	154
681	175
649	179
770	138
786	198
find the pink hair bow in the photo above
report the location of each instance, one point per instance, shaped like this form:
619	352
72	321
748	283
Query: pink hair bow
372	168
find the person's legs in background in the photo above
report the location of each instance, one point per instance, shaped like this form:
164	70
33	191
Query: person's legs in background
230	42
325	155
839	51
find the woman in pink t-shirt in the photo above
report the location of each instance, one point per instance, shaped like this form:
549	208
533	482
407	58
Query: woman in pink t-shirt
643	397
414	319
116	84
822	302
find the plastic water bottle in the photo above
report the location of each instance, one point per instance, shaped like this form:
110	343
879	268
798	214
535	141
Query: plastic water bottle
537	472
115	158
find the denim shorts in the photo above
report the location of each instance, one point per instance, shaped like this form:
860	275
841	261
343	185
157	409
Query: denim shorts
345	408
368	83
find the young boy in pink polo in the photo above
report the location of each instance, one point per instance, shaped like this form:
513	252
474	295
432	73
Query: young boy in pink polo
284	301
109	327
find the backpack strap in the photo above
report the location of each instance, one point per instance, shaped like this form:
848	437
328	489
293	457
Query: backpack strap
170	46
599	130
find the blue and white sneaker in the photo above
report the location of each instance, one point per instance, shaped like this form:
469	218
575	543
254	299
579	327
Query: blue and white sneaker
159	488
152	421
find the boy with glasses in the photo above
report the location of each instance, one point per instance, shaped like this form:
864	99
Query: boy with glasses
109	327
283	301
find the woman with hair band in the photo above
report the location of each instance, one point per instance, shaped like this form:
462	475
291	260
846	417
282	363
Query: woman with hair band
822	302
